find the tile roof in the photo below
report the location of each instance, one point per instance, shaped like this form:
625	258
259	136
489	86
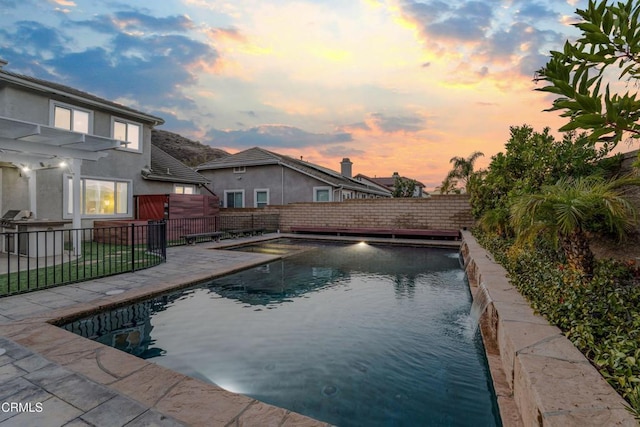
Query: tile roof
258	156
389	182
167	168
251	157
78	95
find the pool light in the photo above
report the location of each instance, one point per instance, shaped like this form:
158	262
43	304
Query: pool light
229	386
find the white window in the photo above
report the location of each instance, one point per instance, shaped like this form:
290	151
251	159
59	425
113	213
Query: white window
261	197
347	195
127	132
184	189
99	197
239	169
68	117
321	194
234	198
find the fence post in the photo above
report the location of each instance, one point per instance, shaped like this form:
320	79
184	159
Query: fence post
163	243
133	252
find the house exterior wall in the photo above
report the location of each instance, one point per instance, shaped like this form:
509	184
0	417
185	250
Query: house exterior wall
49	196
285	185
145	186
23	105
15	190
31	106
438	212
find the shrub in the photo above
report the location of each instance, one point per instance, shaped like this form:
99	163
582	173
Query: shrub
601	316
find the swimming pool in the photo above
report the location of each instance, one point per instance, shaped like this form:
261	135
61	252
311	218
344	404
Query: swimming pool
349	334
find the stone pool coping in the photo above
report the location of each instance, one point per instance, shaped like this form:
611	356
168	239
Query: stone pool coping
81	382
548	378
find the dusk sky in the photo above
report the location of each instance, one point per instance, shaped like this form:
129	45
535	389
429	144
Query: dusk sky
395	85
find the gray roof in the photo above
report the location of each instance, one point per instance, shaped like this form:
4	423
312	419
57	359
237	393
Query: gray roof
167	168
390	181
75	94
251	157
258	156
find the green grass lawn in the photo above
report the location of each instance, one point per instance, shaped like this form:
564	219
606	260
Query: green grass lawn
97	260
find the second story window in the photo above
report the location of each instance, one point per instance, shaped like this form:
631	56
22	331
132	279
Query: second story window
71	118
127	132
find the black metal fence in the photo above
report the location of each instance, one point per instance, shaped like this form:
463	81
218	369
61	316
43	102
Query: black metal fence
230	226
32	260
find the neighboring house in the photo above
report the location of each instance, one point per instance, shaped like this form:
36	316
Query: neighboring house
389	183
257	177
167	169
69	155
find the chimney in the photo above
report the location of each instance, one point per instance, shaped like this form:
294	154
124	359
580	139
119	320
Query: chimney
345	167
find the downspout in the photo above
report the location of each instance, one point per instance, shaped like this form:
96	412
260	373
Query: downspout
282	185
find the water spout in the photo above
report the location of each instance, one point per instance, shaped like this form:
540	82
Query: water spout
480	303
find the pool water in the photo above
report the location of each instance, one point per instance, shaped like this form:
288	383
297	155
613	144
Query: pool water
354	335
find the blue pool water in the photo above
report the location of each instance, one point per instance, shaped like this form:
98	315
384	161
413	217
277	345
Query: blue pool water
354	335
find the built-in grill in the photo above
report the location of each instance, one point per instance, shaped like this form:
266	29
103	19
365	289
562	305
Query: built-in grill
12	215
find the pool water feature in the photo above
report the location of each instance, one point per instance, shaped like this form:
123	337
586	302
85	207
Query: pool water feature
479	305
352	335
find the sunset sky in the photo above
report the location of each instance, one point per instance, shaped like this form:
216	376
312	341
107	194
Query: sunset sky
395	85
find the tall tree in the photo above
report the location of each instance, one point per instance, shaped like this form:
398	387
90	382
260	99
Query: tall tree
403	187
533	159
449	186
610	39
565	210
463	168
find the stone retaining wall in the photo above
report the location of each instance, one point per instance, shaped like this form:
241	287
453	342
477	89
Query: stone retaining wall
551	381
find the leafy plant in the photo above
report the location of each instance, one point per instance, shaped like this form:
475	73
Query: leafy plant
403	187
610	39
533	159
564	210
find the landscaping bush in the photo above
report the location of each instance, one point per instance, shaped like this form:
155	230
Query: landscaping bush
600	316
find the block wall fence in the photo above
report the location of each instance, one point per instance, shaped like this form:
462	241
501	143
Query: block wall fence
438	212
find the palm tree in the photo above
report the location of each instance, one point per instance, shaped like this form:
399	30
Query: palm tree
463	168
449	186
564	210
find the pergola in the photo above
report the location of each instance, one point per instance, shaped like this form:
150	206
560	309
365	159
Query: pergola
31	146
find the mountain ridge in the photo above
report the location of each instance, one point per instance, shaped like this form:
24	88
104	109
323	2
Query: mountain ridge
191	153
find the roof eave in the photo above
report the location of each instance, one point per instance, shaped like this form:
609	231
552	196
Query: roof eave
152	177
156	121
236	165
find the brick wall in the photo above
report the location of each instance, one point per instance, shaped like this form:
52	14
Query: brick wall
439	212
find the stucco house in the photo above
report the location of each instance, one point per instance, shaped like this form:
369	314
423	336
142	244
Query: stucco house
69	155
257	177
